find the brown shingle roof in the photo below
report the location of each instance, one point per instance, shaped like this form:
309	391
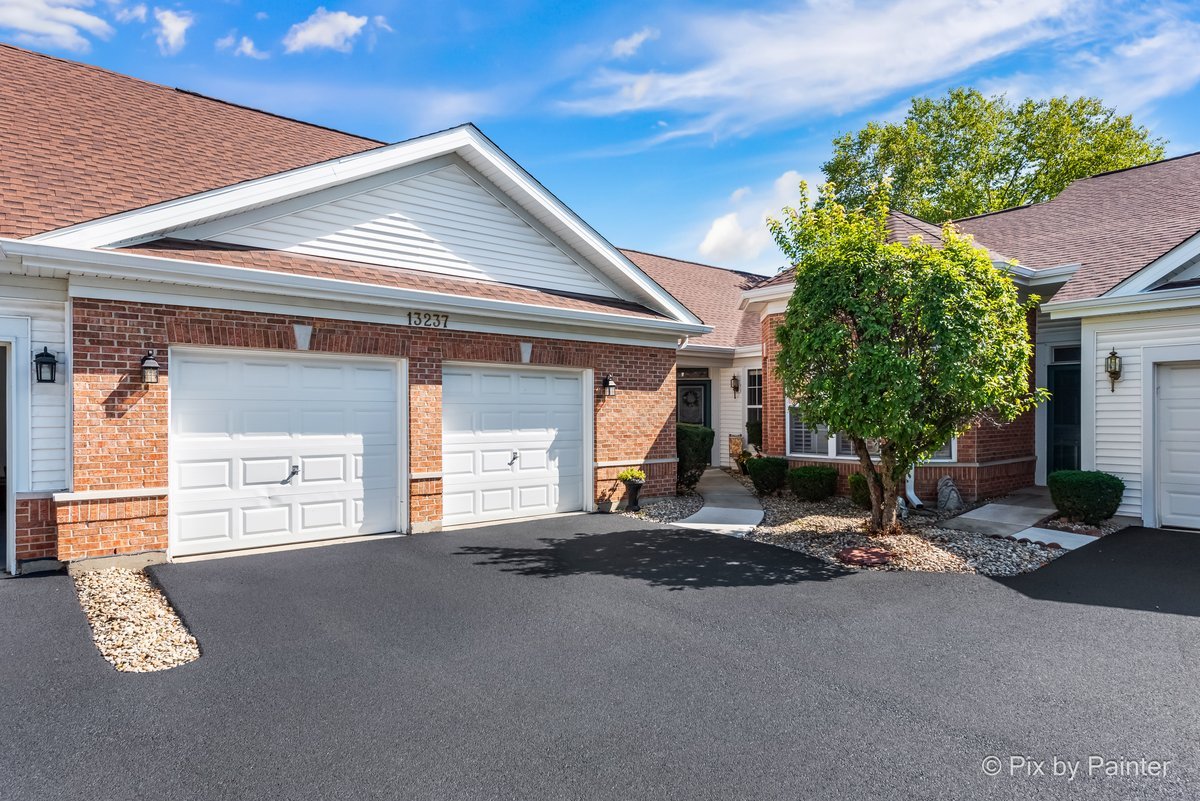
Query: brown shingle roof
711	293
318	267
1112	224
78	142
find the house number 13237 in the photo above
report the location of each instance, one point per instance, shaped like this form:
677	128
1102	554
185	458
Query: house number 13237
428	319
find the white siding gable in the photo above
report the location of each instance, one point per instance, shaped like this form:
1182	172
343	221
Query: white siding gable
442	221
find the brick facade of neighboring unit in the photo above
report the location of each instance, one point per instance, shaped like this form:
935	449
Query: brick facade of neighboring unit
120	424
992	460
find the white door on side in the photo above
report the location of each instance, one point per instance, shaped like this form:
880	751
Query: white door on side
272	449
1178	446
512	443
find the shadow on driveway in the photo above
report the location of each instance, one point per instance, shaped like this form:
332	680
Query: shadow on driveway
1147	569
673	559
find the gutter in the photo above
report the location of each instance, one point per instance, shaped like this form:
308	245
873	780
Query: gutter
1158	300
139	267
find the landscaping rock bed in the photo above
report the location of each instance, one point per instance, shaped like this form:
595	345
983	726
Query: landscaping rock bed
133	626
669	510
824	528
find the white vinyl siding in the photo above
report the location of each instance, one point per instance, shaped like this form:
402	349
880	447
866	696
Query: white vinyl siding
48	412
441	221
1116	432
728	414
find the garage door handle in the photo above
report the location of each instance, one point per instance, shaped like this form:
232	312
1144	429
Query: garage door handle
513	460
294	472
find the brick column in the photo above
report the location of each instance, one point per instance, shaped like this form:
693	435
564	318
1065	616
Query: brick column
774	408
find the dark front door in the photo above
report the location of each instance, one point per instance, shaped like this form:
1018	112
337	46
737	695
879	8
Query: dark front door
693	402
1062	417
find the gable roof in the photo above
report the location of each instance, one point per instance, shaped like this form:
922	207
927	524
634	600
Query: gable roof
712	293
1112	224
80	142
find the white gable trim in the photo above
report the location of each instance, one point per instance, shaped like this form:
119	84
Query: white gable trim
1159	270
466	141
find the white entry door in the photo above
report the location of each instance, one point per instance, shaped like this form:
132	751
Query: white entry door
1178	464
268	449
512	443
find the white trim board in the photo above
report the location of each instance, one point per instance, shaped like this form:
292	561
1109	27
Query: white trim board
1152	357
15	335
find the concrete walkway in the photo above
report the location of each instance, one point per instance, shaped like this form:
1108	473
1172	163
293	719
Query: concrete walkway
729	508
1017	516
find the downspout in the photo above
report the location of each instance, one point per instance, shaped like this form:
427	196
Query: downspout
910	491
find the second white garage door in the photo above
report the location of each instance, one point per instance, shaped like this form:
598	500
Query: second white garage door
1178	467
512	443
269	449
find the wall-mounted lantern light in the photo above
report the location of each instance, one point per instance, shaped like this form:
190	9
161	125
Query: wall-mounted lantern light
149	368
736	385
45	366
609	386
1112	366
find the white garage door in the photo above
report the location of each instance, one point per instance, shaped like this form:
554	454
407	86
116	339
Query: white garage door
270	449
1178	467
512	443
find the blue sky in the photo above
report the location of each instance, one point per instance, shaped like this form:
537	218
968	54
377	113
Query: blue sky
671	127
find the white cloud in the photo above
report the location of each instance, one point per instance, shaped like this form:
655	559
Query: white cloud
53	24
624	48
171	33
747	68
241	46
261	15
126	14
739	237
380	22
334	30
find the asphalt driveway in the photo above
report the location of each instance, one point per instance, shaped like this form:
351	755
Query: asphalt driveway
585	658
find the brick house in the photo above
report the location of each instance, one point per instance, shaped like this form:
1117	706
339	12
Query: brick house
264	332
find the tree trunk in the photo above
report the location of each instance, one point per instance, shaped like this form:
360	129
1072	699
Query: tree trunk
882	483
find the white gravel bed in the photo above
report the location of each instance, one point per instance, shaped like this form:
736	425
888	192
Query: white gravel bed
822	528
668	510
133	626
1105	527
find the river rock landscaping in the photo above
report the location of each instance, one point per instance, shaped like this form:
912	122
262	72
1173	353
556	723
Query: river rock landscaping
668	510
133	625
824	529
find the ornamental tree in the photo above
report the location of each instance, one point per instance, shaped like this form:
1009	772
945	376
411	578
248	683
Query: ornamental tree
896	346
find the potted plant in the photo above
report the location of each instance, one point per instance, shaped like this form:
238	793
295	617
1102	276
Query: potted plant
633	479
741	460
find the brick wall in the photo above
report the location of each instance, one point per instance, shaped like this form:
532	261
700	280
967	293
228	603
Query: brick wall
120	434
35	528
774	411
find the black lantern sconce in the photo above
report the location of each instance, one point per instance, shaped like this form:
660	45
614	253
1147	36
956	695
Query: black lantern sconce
1112	366
736	385
609	386
45	366
149	368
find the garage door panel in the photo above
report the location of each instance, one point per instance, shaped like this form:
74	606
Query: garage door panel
255	417
1178	445
490	413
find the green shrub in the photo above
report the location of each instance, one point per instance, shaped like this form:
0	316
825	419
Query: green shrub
693	445
813	483
754	432
768	474
632	474
860	492
1086	495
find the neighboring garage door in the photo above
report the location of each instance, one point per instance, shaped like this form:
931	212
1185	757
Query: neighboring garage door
241	424
1178	465
512	443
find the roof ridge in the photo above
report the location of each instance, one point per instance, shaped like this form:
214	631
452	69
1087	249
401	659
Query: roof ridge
95	68
1136	167
695	263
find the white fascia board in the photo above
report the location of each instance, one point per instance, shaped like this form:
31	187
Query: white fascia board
1161	300
465	140
765	294
747	351
137	267
1158	270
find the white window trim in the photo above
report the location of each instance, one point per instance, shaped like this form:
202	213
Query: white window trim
746	405
831	447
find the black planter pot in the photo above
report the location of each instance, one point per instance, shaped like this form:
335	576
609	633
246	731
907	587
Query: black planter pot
634	489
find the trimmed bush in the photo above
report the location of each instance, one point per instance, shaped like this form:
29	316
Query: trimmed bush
754	432
1086	495
813	483
693	445
860	493
768	474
